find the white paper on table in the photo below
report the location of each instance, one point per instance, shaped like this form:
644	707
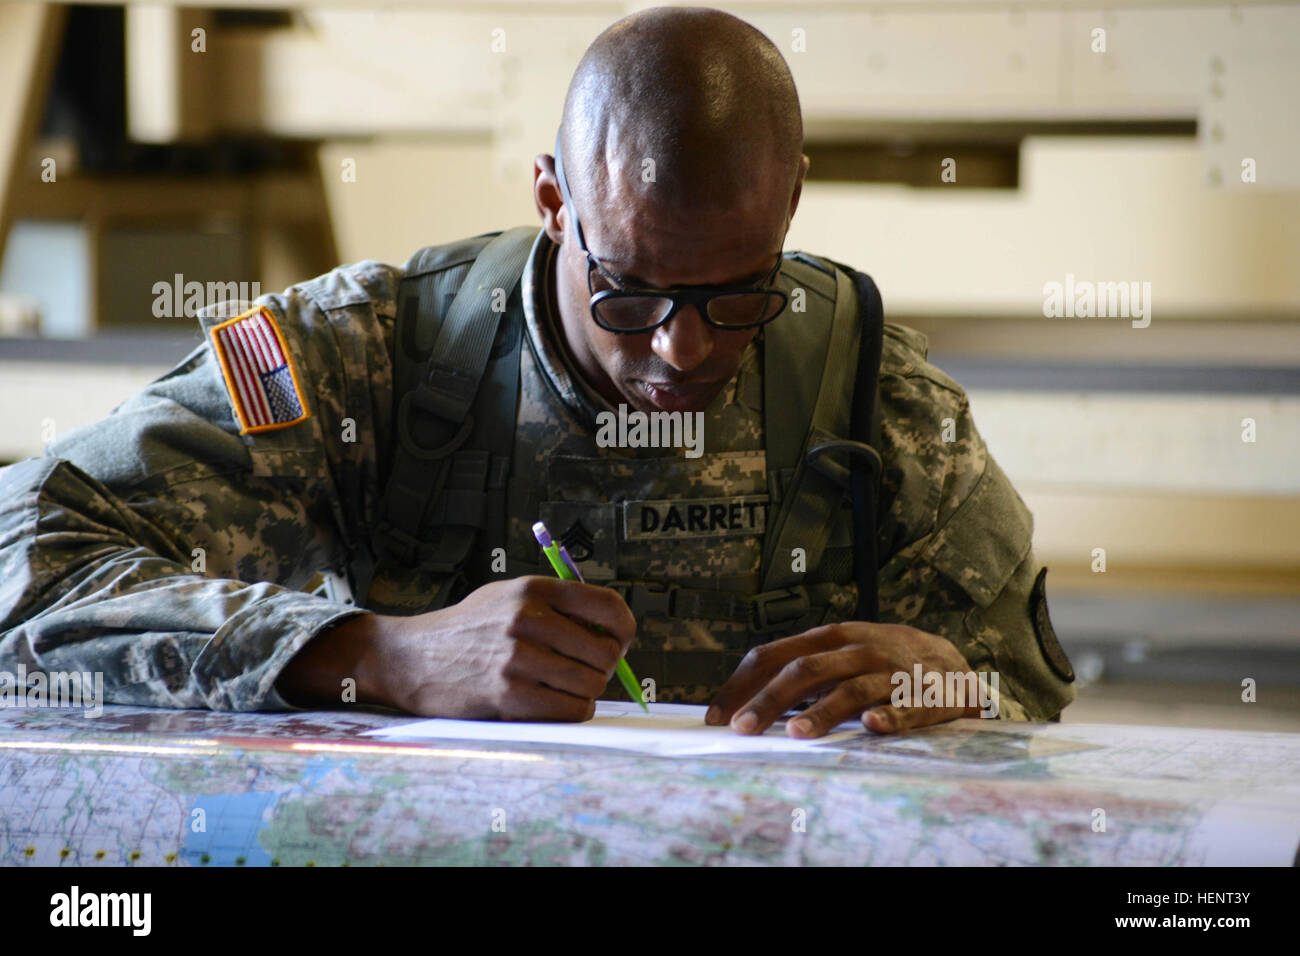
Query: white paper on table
669	730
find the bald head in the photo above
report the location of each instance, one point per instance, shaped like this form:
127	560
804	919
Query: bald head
703	95
682	145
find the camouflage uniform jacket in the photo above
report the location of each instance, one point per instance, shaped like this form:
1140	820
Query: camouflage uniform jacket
164	549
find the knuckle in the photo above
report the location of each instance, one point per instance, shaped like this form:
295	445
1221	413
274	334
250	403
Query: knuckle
517	622
620	611
861	690
531	587
516	660
906	634
804	668
610	656
837	632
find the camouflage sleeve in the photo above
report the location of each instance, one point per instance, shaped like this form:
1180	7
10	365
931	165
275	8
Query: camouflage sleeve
165	550
956	541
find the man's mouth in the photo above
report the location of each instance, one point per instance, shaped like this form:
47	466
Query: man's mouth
676	398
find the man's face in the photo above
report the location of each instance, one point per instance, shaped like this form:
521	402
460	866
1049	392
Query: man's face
683	364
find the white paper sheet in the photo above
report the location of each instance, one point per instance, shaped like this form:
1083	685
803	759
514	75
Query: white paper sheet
669	730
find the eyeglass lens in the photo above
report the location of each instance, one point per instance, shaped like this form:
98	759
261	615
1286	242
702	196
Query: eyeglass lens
639	311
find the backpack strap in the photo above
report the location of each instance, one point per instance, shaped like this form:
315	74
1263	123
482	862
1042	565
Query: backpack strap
494	410
802	430
866	473
451	306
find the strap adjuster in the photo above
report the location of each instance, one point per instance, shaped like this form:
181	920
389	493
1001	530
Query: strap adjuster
423	400
393	542
771	610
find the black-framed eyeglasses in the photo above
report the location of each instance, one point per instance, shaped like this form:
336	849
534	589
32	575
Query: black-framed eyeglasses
628	310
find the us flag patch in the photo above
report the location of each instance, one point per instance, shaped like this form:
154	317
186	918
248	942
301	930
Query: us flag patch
260	376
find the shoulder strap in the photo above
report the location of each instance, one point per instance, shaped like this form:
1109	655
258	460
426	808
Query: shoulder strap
811	487
866	474
458	311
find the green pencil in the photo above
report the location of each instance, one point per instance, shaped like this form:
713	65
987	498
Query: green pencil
567	570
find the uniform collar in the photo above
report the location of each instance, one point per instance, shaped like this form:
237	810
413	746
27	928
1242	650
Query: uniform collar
546	337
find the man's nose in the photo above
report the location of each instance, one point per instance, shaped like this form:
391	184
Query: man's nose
685	340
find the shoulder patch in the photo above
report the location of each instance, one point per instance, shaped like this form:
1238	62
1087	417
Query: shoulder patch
1052	649
260	375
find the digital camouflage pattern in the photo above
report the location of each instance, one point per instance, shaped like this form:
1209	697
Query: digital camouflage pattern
577	483
167	551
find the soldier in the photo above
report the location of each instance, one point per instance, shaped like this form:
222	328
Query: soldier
347	426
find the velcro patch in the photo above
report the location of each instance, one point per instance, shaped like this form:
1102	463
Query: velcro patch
1052	649
694	517
259	372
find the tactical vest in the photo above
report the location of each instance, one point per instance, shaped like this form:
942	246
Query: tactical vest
653	528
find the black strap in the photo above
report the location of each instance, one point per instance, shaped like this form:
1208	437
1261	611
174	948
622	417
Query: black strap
865	427
436	496
495	409
800	412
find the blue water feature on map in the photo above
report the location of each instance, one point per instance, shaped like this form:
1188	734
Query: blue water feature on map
233	823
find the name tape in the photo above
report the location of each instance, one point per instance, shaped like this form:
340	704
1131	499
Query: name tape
694	517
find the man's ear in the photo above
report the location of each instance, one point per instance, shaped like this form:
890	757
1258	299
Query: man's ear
804	163
547	197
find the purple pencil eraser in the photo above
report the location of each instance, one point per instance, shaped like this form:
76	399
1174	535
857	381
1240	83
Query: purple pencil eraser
541	534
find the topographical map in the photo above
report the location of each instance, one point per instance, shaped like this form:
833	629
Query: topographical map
139	786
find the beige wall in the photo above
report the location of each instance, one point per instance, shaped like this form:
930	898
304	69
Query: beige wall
1101	209
421	191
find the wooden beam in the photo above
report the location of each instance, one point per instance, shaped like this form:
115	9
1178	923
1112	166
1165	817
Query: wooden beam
30	34
168	84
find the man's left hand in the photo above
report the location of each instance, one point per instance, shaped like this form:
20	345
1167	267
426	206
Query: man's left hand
847	668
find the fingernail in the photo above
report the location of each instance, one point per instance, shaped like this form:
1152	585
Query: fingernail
746	722
803	726
712	716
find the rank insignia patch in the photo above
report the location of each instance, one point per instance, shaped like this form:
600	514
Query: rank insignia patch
1052	649
578	541
259	372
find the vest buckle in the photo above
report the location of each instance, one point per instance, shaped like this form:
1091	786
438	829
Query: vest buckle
772	610
648	599
394	543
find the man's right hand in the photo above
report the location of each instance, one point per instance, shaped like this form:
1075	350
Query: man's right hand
511	650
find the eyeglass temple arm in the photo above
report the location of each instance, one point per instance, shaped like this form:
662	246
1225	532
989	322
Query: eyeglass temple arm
564	194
